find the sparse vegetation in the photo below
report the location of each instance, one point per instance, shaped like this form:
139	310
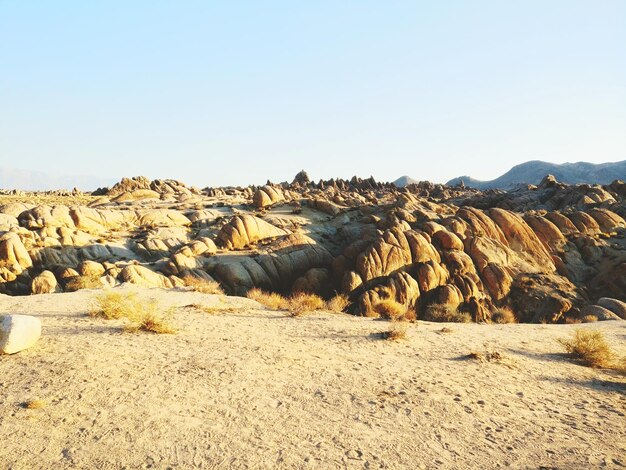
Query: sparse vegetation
338	303
205	286
155	322
298	304
589	319
503	315
445	313
142	315
270	300
83	282
34	404
589	348
396	332
302	302
390	309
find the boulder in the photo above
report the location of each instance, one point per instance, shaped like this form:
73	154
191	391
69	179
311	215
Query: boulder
18	332
599	312
267	196
142	276
45	283
243	230
616	306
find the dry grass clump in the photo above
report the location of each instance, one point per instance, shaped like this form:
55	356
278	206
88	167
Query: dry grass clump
589	319
302	302
503	315
83	282
142	315
205	286
445	313
115	305
270	300
396	332
34	404
298	304
155	322
338	303
589	348
390	309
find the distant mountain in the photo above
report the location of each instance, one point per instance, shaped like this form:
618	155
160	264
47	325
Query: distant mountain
534	171
404	181
39	181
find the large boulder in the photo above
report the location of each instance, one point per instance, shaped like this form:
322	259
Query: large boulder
45	283
142	276
18	332
267	196
243	230
616	306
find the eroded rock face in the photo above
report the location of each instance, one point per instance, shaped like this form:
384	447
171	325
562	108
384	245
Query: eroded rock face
547	251
244	230
267	196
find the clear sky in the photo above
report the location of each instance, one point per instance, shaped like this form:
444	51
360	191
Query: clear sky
234	92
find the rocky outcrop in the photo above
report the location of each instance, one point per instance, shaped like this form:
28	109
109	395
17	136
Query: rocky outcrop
267	196
244	230
547	251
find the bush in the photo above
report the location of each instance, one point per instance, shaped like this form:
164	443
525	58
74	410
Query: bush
589	319
141	314
270	300
396	332
445	313
83	282
590	348
302	302
390	309
205	286
338	303
503	315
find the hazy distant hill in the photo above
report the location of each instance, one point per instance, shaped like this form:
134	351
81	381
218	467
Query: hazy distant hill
404	181
533	172
40	181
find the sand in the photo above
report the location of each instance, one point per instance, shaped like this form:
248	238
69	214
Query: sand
244	387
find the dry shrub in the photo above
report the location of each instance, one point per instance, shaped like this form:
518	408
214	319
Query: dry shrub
34	404
114	305
488	356
270	300
302	302
396	332
589	319
338	303
572	321
205	286
155	322
390	309
590	348
142	315
83	282
445	313
503	315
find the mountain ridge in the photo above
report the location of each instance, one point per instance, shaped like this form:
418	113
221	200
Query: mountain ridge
532	172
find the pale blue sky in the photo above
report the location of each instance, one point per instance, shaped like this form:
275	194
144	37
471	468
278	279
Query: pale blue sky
218	93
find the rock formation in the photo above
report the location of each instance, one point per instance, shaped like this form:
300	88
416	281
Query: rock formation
550	252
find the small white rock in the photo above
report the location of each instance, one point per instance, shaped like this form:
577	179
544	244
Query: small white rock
18	332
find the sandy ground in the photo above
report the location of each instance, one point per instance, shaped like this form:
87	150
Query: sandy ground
251	388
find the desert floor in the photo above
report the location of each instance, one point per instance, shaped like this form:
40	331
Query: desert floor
244	387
